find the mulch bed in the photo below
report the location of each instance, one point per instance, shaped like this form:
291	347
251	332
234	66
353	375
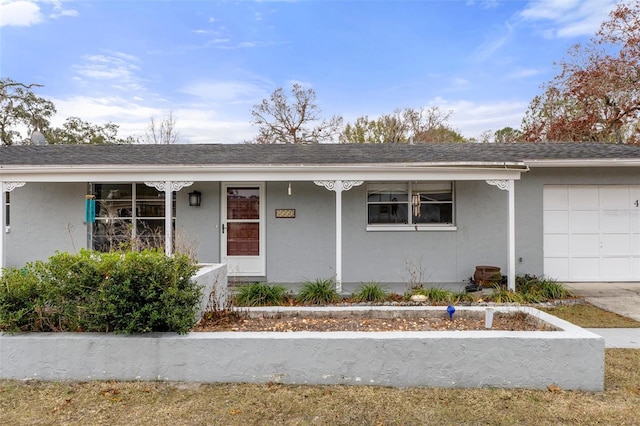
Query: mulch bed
236	321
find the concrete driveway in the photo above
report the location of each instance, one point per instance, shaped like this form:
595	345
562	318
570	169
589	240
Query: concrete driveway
621	298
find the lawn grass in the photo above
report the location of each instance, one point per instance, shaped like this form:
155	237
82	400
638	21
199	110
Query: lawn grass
158	403
589	316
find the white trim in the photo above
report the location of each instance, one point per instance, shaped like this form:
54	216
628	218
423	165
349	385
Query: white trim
414	228
338	186
263	232
255	173
596	162
508	185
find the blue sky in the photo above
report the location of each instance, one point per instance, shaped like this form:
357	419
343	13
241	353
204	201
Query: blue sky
210	61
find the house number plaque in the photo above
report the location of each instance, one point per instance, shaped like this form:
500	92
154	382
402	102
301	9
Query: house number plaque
285	213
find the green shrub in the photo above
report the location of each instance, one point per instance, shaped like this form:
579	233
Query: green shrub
370	292
501	294
536	289
434	294
318	292
260	294
461	297
130	292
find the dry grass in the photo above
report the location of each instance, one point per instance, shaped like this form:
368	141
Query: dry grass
138	403
589	316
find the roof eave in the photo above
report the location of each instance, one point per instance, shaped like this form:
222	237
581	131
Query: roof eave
595	162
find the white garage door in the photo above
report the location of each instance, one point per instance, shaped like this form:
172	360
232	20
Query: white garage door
592	233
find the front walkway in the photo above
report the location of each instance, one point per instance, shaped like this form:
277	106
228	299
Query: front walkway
620	298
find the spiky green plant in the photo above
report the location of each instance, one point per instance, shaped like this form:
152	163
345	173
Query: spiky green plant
501	294
555	290
318	292
370	292
260	294
461	297
535	289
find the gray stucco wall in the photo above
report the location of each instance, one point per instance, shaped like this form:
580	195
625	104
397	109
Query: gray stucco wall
303	248
199	227
46	217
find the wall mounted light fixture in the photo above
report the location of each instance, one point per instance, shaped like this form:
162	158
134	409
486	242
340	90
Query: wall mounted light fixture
289	189
195	198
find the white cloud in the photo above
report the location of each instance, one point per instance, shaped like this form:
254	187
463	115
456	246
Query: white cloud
472	118
567	18
524	73
27	12
224	91
20	14
118	67
493	44
65	12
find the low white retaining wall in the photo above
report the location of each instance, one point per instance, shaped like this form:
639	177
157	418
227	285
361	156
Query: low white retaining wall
212	277
572	358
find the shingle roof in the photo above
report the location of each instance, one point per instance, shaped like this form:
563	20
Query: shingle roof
325	154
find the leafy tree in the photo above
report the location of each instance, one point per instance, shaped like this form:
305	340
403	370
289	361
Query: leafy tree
596	95
297	121
403	126
20	110
507	135
76	131
162	131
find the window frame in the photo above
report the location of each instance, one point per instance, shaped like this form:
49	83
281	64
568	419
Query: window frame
410	226
7	213
134	204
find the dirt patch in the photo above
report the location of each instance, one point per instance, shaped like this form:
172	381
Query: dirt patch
236	321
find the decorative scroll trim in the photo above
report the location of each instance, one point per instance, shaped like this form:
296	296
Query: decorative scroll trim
331	184
174	186
501	184
10	186
348	184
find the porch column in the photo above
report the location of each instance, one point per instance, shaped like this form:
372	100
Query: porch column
338	186
5	188
507	185
168	187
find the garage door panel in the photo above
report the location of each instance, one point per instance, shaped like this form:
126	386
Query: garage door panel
584	269
556	245
614	197
584	198
618	268
635	244
614	221
556	197
556	267
583	221
585	245
634	221
616	245
556	221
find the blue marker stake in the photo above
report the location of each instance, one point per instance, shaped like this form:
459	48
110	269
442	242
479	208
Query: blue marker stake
451	310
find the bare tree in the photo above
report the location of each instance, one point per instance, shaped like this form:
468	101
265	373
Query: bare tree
162	131
298	121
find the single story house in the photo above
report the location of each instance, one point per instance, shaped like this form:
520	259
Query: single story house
354	212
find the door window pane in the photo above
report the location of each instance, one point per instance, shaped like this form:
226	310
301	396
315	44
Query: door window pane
243	239
243	203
